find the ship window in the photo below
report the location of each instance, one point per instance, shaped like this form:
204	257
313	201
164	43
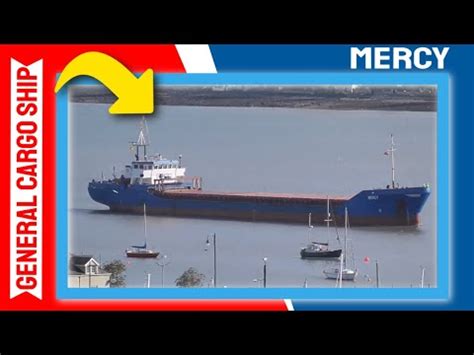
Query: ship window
135	166
141	166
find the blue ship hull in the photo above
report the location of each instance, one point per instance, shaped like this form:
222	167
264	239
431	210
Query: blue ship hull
380	207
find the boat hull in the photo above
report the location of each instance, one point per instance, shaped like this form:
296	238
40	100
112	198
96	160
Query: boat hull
382	207
334	274
142	255
305	254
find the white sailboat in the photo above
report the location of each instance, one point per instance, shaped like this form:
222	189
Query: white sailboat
342	272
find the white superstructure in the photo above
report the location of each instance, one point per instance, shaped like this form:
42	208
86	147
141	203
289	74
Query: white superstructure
153	169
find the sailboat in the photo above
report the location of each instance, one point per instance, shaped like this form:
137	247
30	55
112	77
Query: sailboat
141	251
320	249
342	272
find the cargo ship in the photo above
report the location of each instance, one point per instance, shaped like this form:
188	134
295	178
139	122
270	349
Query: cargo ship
162	186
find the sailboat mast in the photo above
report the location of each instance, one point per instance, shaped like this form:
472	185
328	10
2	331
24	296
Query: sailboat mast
377	273
144	219
422	281
345	238
146	136
309	227
392	154
148	280
340	270
328	217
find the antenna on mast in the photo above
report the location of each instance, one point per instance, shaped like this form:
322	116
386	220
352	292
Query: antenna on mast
142	141
146	132
391	152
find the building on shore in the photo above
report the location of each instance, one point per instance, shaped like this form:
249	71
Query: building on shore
85	272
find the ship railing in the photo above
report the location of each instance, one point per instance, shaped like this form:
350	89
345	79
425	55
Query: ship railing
195	183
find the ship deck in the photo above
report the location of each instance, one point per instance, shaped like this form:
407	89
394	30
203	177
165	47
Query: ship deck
260	196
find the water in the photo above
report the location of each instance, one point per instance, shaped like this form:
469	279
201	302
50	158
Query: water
257	149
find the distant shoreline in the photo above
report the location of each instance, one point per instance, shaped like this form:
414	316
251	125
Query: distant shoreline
324	98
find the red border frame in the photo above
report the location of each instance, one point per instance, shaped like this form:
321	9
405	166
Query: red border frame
138	58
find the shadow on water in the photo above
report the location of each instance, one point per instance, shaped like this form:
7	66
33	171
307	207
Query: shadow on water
368	229
408	230
256	165
321	261
151	215
90	211
101	212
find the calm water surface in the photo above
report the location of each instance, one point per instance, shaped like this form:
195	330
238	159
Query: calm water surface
257	149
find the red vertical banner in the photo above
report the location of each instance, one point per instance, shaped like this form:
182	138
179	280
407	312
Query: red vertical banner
26	176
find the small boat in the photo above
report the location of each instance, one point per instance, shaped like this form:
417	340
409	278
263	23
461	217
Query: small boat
320	249
342	272
335	274
141	251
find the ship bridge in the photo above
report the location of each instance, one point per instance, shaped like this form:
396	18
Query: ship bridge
153	169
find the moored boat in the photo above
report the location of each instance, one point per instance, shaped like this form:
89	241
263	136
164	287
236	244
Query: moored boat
141	251
343	272
320	249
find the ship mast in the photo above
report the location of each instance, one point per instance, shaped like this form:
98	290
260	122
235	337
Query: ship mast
142	141
391	151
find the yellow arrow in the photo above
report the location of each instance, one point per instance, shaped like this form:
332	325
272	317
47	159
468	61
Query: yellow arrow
135	95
